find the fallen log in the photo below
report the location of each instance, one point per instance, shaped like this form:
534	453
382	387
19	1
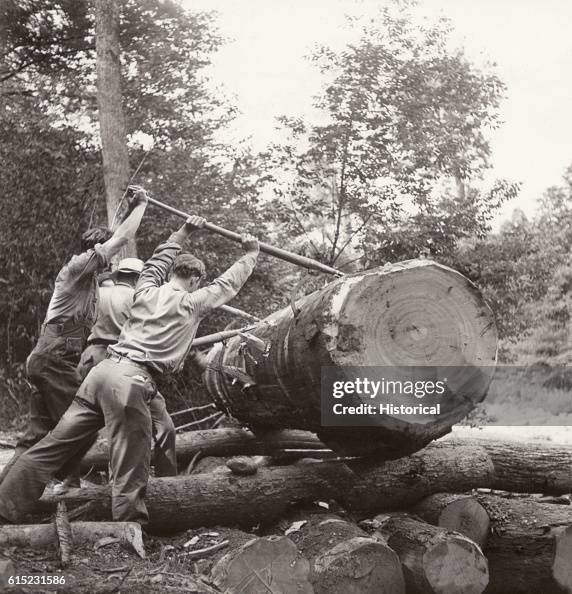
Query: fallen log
458	512
518	466
435	560
529	547
226	499
527	467
44	536
415	314
343	558
225	442
263	565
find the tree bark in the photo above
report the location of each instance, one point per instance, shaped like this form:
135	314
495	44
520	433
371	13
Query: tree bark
111	116
525	467
518	466
343	559
435	560
417	315
226	442
43	536
226	499
458	512
529	547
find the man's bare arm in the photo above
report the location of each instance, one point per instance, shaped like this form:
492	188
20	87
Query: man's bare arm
128	228
192	224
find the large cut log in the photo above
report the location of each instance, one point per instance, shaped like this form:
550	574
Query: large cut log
263	565
415	314
458	512
344	559
529	547
226	499
435	560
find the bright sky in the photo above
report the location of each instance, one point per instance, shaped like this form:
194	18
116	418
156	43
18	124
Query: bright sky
264	69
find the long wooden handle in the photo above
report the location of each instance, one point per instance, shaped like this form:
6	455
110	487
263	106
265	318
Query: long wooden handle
264	247
209	339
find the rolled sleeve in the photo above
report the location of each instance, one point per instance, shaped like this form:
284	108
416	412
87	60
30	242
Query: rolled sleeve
224	288
88	263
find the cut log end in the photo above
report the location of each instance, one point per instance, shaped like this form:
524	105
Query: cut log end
562	566
435	560
263	565
460	513
414	313
456	566
358	566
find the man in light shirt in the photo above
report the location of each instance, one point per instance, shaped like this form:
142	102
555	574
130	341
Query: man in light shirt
156	339
113	308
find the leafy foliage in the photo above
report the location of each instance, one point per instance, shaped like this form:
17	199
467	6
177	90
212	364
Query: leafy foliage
405	116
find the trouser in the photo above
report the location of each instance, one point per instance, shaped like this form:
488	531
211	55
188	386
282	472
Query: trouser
163	428
55	382
114	394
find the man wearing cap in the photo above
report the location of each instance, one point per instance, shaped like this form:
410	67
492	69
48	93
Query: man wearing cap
113	307
71	313
156	339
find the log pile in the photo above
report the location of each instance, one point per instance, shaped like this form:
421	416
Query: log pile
433	522
354	510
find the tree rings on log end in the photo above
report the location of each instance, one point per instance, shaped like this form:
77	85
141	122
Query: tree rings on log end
456	566
359	565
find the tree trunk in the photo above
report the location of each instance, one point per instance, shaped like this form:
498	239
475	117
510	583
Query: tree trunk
344	560
529	547
415	315
435	560
457	512
111	117
263	565
226	499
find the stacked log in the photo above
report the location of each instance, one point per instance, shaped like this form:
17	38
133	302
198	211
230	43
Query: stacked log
456	511
529	544
262	565
435	560
343	558
225	498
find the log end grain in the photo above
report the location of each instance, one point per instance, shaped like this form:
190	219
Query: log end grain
562	566
457	512
456	566
263	565
359	565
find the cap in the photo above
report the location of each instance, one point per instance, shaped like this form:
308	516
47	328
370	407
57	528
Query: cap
130	265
